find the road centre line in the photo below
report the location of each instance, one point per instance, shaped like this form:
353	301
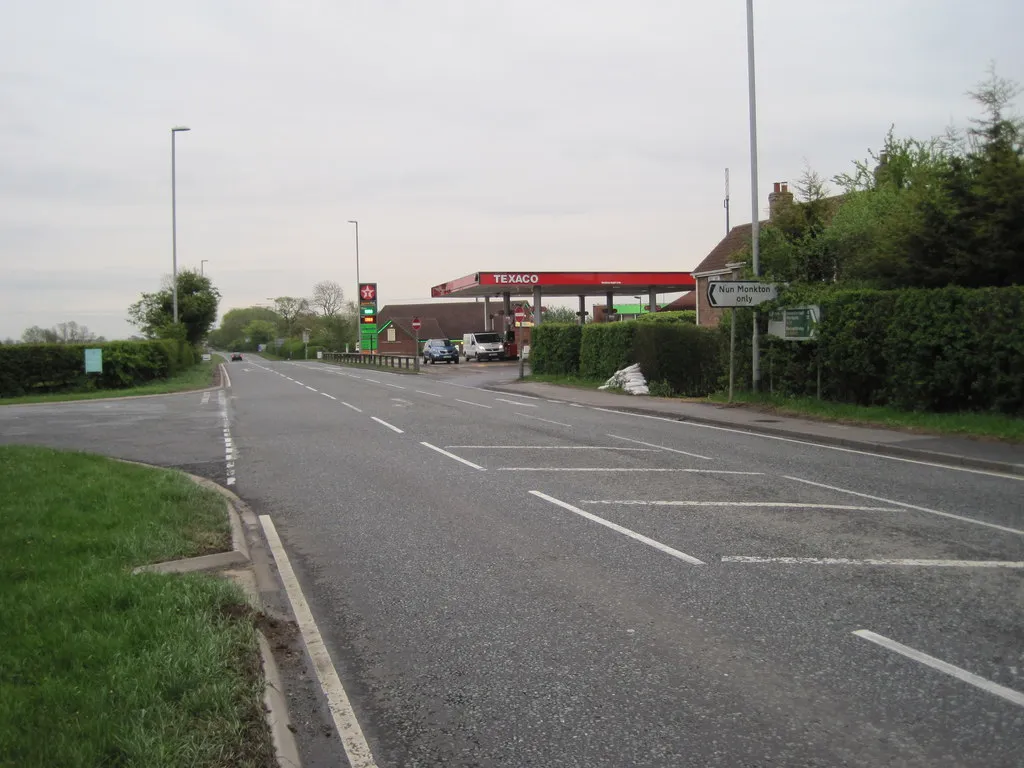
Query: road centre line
330	396
538	418
453	456
396	386
554	448
876	561
510	394
763	504
373	381
515	402
349	405
310	388
825	446
624	469
432	394
469	402
619	529
1014	697
661	447
914	507
345	721
298	382
389	426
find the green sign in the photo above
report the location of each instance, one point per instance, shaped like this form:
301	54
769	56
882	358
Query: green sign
94	361
794	323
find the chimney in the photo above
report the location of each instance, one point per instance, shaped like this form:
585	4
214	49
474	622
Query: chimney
779	198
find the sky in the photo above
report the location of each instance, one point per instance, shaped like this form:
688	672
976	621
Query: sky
463	135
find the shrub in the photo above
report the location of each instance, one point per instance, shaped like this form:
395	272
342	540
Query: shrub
555	348
683	357
606	348
683	316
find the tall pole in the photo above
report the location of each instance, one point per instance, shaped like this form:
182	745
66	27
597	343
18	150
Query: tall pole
174	229
359	316
725	204
755	219
202	265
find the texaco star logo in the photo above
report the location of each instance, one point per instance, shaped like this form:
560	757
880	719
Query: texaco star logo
368	292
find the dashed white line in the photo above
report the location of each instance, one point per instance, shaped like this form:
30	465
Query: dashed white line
432	394
470	402
554	448
453	456
625	469
766	504
914	507
1010	695
620	529
389	426
345	720
661	447
396	386
229	446
349	405
330	396
310	388
538	418
908	562
515	402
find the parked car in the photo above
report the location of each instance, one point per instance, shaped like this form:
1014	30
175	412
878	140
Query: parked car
483	346
236	356
440	349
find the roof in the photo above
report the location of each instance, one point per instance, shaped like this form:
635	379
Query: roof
429	327
726	251
688	301
519	283
453	318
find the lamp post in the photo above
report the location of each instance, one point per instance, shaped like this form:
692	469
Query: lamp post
174	227
202	263
755	219
359	318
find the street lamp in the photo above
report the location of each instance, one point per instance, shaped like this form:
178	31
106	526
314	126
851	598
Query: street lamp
174	226
202	262
358	316
755	219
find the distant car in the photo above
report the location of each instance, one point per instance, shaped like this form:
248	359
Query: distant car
236	356
440	349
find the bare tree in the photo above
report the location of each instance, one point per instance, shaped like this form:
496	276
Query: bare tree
289	308
328	298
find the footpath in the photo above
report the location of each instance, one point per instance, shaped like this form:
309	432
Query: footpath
956	451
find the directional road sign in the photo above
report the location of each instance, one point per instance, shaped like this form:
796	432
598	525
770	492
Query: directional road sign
740	293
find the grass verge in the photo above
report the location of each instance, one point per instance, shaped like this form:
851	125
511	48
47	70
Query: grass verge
566	381
102	667
977	425
199	376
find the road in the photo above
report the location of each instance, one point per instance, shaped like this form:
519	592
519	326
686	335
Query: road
503	581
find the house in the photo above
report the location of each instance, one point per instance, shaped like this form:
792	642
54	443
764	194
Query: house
685	303
727	258
438	320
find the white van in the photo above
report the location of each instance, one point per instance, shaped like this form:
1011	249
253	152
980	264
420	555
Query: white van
483	346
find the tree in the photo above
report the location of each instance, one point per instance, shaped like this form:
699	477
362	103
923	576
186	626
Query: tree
560	315
38	335
328	298
231	332
197	309
289	308
259	332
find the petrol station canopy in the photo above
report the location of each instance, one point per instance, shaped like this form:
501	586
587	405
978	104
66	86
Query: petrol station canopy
498	283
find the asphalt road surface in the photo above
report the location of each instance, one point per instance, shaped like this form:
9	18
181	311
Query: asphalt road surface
504	581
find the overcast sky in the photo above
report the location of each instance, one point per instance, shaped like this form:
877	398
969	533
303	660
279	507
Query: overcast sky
463	135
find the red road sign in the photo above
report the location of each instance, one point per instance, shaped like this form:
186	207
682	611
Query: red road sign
520	314
416	324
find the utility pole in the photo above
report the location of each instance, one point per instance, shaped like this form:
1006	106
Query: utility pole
755	219
725	203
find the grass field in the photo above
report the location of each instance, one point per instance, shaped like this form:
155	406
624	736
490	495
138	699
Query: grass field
100	667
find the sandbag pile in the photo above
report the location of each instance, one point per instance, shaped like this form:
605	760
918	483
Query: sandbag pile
630	380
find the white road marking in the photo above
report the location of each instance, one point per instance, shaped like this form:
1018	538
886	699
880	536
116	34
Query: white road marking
768	504
396	386
470	402
624	469
298	382
908	506
205	398
538	418
661	447
389	426
620	529
330	396
345	721
575	405
289	378
875	561
373	381
1014	697
515	402
310	388
349	405
453	456
229	445
432	394
824	446
527	397
554	448
227	378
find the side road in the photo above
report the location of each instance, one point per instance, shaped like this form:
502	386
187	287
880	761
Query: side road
956	451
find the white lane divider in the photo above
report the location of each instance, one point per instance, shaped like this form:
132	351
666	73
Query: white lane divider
661	447
552	448
330	396
914	507
905	562
432	394
1012	696
515	402
453	456
310	388
349	405
538	418
620	529
389	426
345	721
765	504
625	469
396	386
229	444
470	402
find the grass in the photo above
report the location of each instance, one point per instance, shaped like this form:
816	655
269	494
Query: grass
198	376
566	381
977	425
99	667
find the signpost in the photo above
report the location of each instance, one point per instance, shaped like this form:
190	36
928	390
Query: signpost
520	314
416	325
795	323
367	317
305	341
94	361
740	293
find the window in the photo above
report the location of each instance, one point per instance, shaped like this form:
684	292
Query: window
391	333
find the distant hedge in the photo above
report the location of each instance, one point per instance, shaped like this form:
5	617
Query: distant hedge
43	368
606	348
684	357
943	350
555	349
682	316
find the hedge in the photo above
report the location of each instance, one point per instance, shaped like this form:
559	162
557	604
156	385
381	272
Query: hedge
682	316
555	349
606	348
943	350
42	368
686	358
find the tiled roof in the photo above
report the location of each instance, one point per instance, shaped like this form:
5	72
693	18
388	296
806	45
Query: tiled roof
454	318
429	328
727	249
